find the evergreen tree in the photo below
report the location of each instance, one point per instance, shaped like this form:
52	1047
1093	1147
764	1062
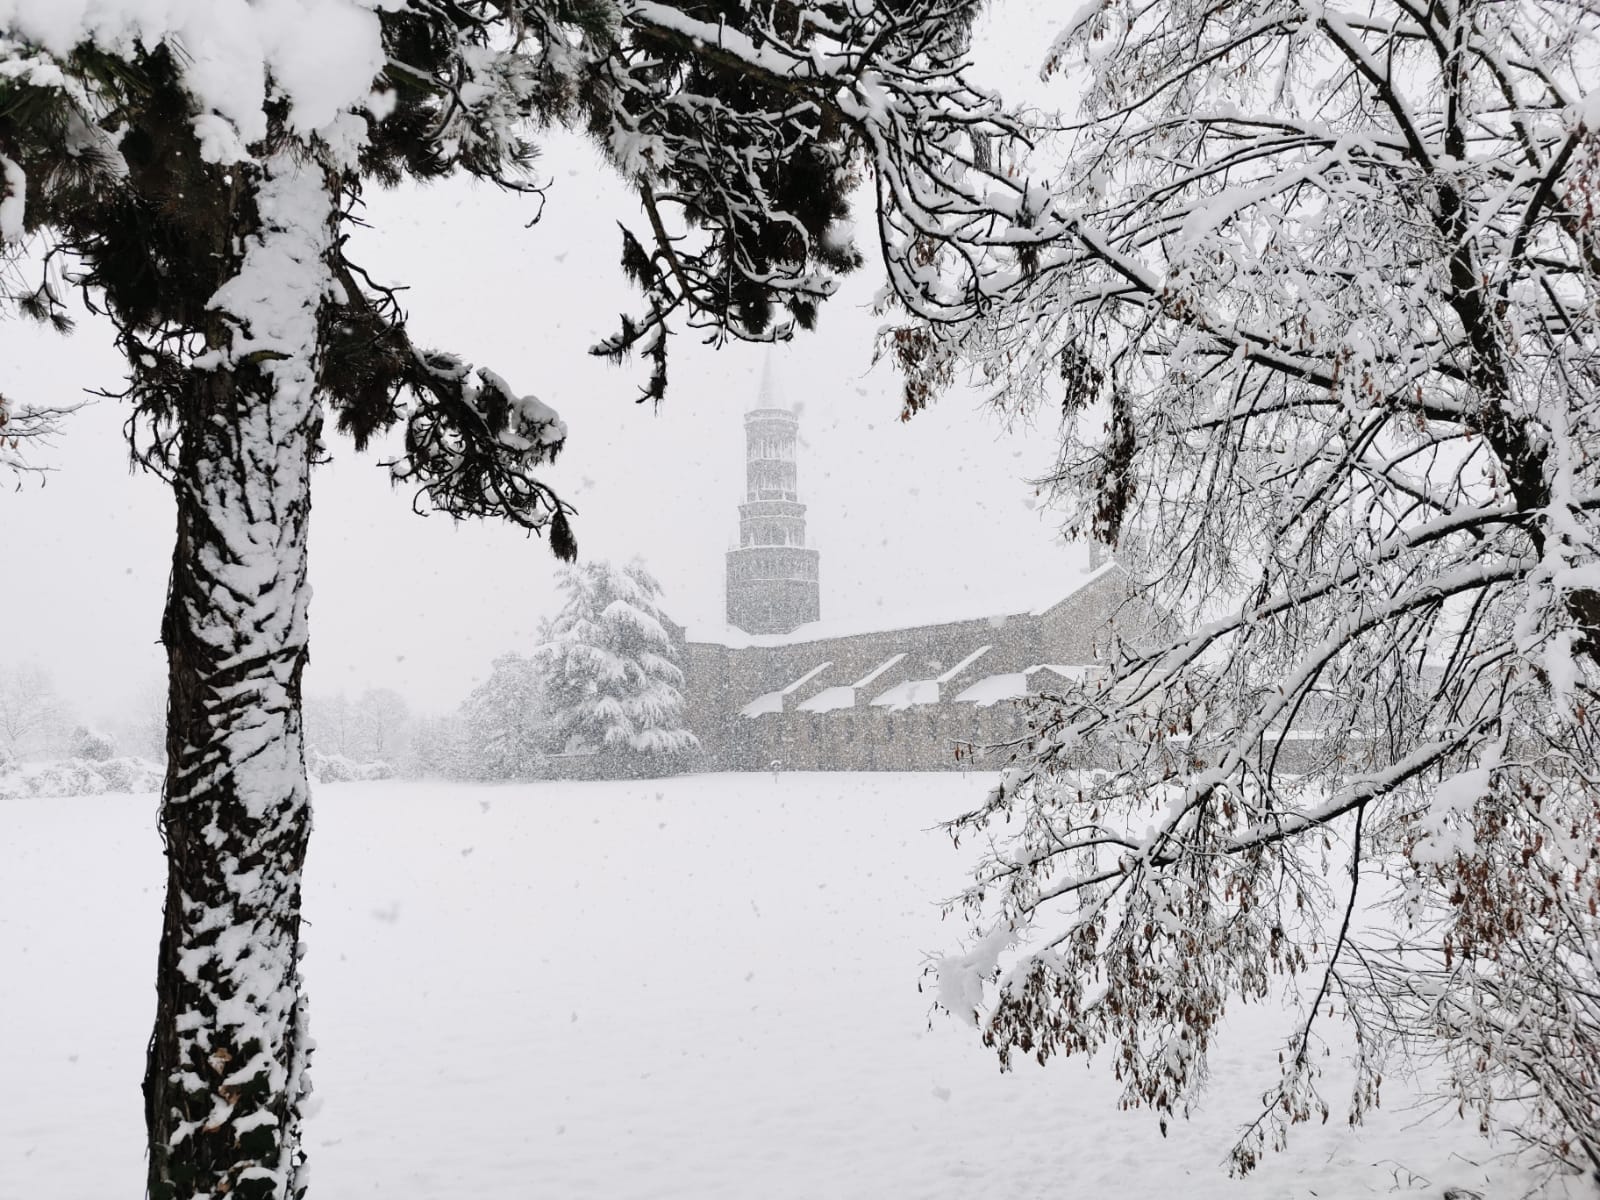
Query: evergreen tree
438	749
505	722
198	167
611	668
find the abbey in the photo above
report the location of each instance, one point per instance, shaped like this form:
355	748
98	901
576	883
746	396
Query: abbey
778	686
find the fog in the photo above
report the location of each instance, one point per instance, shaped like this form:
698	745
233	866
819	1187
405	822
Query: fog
901	511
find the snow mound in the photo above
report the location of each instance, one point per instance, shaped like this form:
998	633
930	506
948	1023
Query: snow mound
336	768
80	777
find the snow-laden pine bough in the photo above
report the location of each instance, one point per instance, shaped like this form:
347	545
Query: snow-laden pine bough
1326	337
196	168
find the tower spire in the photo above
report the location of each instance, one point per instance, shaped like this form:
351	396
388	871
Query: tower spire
768	394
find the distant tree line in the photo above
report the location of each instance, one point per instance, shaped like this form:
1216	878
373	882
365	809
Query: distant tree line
38	723
598	694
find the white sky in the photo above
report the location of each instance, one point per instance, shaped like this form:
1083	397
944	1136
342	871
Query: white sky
901	512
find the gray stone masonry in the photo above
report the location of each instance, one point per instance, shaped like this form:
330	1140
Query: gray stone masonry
773	576
930	730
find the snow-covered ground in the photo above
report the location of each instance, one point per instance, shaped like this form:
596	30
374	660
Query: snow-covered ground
703	987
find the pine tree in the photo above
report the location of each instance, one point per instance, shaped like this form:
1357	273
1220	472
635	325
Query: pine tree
506	722
198	168
611	670
438	749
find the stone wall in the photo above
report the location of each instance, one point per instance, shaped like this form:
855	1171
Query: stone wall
855	734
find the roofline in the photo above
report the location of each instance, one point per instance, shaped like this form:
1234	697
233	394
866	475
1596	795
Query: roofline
768	640
1104	570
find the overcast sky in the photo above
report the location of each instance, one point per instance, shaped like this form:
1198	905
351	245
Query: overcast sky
902	512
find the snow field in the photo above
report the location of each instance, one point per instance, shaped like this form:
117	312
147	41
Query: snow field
699	987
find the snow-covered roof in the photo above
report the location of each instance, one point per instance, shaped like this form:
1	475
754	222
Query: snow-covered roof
948	611
761	706
963	664
992	689
1014	685
925	691
772	702
878	670
904	695
844	696
1073	671
829	699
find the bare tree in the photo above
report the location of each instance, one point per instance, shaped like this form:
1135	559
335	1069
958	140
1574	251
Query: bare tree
1320	308
381	718
145	726
331	724
30	708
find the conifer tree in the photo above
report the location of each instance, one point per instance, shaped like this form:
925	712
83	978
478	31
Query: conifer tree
610	668
195	168
506	722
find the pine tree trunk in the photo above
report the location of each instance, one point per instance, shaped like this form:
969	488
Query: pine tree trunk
225	1076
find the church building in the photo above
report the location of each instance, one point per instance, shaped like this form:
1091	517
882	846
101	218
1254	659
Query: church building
779	686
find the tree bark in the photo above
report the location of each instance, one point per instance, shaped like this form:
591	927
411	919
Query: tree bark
225	1077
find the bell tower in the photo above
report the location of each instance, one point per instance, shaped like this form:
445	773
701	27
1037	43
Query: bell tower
772	579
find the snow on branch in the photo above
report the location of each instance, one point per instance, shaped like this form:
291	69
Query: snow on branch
471	445
22	429
748	244
1323	332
